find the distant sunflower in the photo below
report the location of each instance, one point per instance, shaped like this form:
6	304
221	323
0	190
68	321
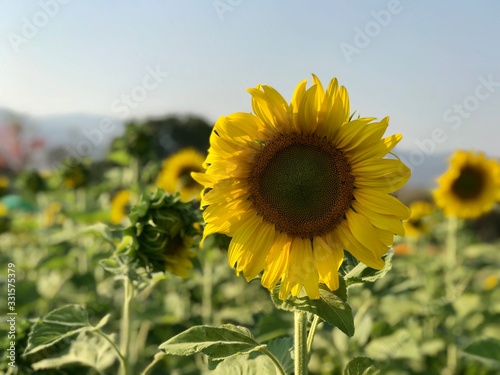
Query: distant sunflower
52	214
175	174
5	220
296	184
3	210
417	225
4	185
470	187
118	206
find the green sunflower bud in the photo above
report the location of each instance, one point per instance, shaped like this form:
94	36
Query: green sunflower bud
162	235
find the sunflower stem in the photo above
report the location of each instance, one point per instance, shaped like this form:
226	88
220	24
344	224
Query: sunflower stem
300	338
451	242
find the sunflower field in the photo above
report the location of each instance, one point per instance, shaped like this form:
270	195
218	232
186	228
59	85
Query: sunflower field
274	242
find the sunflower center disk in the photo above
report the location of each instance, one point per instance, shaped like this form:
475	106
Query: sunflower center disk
469	184
185	179
301	184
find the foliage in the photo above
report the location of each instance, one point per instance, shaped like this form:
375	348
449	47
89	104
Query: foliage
72	264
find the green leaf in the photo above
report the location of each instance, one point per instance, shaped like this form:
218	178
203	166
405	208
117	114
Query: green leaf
91	351
282	350
120	157
101	230
331	306
361	273
215	342
247	364
59	324
111	265
486	348
360	366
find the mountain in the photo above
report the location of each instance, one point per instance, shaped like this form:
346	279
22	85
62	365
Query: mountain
424	168
79	135
84	135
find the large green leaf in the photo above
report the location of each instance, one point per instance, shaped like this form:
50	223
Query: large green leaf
92	351
215	342
361	273
258	363
486	348
360	366
331	306
59	324
282	350
247	364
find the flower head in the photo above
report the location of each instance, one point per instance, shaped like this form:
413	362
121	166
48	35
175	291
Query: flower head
5	220
175	174
294	184
4	185
161	235
470	187
75	175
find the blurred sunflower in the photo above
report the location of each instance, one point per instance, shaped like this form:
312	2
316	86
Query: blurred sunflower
4	185
5	220
296	184
416	225
175	174
75	176
119	205
52	214
470	187
490	282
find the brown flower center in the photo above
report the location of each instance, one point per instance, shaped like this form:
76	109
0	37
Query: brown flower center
302	184
469	184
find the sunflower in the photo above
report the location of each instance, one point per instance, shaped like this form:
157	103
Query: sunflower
3	210
5	220
470	187
118	206
53	214
175	174
4	185
490	282
296	184
416	225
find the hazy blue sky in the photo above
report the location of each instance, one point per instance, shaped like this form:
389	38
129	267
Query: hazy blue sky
434	67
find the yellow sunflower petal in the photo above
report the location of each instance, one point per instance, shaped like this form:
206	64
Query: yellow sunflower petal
327	261
381	203
277	260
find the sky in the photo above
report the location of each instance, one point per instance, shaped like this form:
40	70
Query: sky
433	67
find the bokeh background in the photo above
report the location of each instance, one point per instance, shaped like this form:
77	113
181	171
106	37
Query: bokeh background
95	95
66	65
